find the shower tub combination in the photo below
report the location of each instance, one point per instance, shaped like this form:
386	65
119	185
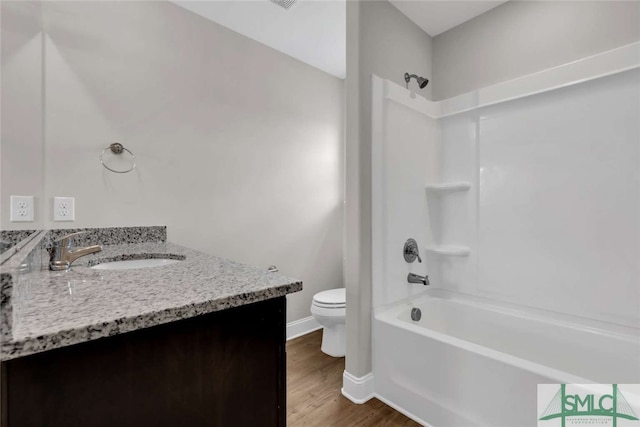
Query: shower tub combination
473	363
489	332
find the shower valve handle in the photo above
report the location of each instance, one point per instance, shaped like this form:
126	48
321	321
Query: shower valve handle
411	251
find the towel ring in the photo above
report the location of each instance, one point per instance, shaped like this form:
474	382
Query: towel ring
117	148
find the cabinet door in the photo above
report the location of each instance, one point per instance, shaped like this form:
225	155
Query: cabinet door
220	369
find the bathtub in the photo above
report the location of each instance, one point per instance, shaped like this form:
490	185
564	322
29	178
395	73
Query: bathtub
469	362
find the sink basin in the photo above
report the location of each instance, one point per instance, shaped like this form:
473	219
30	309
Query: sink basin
136	263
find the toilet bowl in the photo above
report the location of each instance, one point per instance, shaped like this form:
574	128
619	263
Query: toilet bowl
329	309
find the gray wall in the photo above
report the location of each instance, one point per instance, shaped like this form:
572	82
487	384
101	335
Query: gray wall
381	41
522	37
21	119
239	147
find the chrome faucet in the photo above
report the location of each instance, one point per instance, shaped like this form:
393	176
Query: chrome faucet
414	278
61	256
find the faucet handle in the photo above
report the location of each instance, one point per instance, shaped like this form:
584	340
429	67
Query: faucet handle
411	251
65	241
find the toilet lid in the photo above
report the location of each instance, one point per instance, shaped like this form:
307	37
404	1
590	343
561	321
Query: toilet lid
332	298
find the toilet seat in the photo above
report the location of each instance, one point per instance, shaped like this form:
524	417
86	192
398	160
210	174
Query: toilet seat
333	298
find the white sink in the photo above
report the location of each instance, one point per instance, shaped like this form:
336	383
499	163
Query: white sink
136	263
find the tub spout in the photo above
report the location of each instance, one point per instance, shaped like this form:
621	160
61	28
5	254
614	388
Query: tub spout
414	278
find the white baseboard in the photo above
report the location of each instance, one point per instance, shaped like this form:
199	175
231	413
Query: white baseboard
357	389
301	327
361	389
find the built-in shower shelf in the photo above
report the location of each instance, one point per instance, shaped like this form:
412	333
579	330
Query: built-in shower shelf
449	250
448	187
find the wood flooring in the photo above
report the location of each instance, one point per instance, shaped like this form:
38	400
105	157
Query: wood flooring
314	381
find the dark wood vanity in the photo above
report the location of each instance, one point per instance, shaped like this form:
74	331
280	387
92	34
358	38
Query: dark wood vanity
225	368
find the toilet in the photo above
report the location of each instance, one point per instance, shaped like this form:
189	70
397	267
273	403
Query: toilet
329	309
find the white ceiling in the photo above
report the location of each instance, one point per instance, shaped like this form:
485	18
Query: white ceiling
314	31
436	17
311	31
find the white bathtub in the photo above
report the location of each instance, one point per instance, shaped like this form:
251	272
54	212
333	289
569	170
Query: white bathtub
470	363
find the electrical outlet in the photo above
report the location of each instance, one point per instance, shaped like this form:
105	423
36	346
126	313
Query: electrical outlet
64	209
21	209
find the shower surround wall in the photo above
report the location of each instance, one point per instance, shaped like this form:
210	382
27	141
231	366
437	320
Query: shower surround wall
524	198
559	200
543	208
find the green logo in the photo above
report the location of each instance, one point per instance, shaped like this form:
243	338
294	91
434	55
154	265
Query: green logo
612	405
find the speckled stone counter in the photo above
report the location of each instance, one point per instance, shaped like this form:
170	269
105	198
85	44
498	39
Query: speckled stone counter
12	241
48	310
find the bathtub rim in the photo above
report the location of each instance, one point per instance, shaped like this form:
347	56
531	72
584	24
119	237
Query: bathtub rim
389	314
619	331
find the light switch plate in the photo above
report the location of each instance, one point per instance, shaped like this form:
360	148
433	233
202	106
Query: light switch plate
21	209
64	209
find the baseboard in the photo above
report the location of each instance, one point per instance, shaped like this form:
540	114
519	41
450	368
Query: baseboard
360	390
301	327
357	389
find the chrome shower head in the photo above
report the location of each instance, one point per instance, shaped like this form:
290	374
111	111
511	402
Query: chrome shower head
422	82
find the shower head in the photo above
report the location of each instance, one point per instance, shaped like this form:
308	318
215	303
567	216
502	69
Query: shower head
422	82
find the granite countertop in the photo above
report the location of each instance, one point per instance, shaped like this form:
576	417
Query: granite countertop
50	309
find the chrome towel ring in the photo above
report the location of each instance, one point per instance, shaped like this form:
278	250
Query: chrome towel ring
117	148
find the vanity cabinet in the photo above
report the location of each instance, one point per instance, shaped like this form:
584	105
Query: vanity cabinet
225	368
